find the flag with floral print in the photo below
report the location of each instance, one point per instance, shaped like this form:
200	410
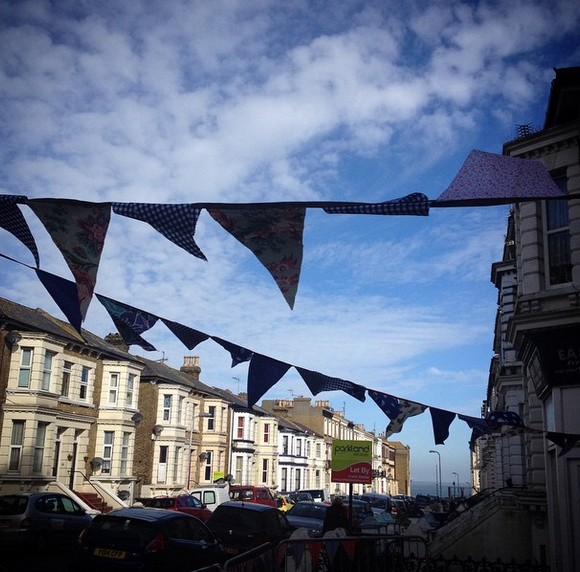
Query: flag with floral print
78	229
274	235
12	219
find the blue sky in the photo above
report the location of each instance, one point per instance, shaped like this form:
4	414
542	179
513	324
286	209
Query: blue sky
260	101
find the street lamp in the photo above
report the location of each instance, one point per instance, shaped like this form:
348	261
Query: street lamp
193	418
440	493
456	483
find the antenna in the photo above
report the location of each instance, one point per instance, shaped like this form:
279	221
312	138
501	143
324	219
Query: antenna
237	378
163	359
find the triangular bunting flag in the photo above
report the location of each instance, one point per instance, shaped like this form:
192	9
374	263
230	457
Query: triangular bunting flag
413	204
274	235
238	353
65	294
263	373
78	229
175	222
504	417
478	426
130	321
12	219
318	382
567	441
441	420
187	336
490	179
406	409
389	405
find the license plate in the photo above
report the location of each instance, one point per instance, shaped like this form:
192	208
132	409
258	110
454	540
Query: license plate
4	523
231	550
110	553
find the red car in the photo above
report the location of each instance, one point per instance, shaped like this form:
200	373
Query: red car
181	503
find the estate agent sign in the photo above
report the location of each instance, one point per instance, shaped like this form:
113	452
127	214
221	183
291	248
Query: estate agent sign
352	462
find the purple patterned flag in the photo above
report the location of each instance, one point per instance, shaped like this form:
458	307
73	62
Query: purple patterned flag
318	382
131	322
490	179
274	235
413	204
441	420
175	222
188	336
263	373
78	229
12	219
406	409
389	405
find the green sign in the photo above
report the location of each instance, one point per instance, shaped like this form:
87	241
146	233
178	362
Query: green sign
352	462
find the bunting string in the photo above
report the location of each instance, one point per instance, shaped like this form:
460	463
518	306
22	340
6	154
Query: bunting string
264	372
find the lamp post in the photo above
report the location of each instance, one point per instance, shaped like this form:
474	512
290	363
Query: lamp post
440	492
193	418
456	483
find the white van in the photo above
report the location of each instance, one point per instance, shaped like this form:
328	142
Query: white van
212	495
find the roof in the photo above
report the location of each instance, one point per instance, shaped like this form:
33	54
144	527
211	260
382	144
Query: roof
15	316
145	514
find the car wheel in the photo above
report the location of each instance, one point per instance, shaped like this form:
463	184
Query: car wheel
41	543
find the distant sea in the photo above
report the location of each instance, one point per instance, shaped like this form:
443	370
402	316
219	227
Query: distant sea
430	488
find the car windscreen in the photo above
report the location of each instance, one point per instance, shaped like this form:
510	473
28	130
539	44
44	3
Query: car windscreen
249	522
13	504
133	532
309	510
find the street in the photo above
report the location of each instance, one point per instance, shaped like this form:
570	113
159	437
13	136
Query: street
30	561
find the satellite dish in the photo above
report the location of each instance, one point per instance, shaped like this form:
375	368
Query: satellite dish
229	478
96	463
137	418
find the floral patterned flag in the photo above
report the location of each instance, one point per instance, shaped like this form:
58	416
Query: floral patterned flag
12	219
78	229
490	179
318	382
263	373
175	222
130	322
406	409
274	235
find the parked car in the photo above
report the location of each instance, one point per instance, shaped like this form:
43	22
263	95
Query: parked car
212	495
249	493
299	497
241	526
284	503
360	511
181	503
380	503
318	495
309	515
40	520
146	539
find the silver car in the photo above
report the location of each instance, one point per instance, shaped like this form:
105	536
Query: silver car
40	520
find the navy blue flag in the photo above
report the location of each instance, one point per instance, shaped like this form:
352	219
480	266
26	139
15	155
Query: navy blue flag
507	417
263	373
567	441
388	404
175	222
413	204
478	426
441	420
130	337
65	294
187	336
12	219
318	382
406	409
238	353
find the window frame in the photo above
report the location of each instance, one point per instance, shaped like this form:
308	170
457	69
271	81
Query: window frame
108	451
23	382
66	378
16	445
113	391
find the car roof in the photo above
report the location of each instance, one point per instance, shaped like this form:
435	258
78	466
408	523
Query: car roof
247	505
146	514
